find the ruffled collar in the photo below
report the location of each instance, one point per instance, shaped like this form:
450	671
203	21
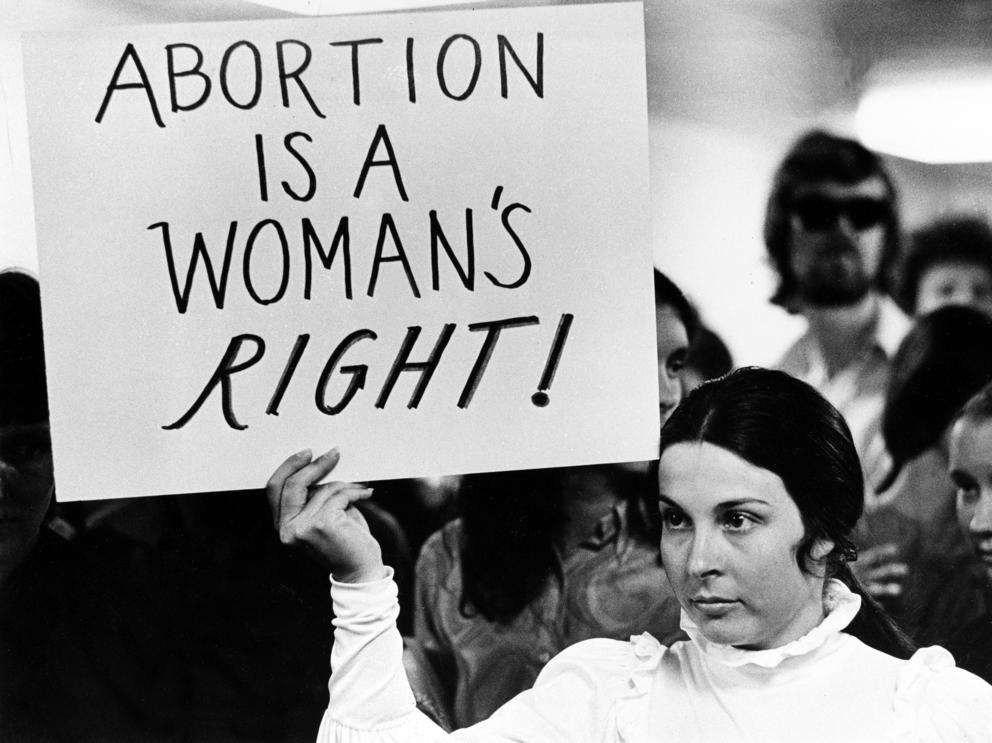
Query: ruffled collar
841	605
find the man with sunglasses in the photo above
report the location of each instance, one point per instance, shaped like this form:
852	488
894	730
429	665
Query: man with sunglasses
832	233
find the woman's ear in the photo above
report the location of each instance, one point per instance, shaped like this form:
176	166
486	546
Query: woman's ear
821	548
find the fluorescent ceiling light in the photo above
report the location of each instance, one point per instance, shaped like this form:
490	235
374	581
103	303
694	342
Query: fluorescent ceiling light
934	117
342	7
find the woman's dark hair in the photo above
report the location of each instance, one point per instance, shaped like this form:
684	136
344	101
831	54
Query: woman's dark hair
667	293
709	355
819	157
510	521
944	359
979	407
951	239
23	396
783	425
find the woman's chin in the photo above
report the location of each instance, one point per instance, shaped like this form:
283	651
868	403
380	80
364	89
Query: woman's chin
722	629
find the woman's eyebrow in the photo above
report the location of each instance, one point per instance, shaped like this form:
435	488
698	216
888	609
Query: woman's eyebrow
961	478
723	505
737	503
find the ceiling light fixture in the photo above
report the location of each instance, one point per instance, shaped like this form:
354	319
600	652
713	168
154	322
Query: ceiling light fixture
937	116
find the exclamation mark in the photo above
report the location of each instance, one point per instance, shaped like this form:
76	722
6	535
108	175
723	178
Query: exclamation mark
540	398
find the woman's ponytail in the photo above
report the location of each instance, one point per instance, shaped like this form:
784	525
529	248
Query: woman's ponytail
872	625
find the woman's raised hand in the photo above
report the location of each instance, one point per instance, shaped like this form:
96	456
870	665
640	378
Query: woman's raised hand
322	518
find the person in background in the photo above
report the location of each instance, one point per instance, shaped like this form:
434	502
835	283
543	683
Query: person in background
945	358
541	559
970	467
69	659
708	358
190	623
26	481
948	262
832	234
759	486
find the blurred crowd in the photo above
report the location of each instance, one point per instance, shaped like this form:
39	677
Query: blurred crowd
183	618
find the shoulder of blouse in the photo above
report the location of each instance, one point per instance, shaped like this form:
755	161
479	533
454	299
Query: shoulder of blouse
618	674
936	701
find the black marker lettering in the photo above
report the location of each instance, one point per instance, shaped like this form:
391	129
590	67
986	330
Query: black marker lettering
358	373
115	84
217	286
225	370
426	368
294	75
493	329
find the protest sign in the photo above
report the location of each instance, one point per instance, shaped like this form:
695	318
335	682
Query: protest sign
421	237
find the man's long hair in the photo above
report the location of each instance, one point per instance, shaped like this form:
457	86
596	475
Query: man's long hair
819	157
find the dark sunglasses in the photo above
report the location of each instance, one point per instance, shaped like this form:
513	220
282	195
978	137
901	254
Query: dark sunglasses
821	213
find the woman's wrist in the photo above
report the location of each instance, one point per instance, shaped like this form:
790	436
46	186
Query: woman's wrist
363	574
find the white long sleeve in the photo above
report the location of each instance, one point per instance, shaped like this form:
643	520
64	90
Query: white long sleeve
370	697
605	691
371	701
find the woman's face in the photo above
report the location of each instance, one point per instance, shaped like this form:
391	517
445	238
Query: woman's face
954	282
729	540
970	466
26	487
673	346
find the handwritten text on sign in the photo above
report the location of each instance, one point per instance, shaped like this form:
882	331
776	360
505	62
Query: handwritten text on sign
423	238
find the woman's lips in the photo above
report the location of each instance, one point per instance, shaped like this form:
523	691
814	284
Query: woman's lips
713	605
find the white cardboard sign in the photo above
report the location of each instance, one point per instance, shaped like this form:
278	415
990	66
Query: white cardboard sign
422	237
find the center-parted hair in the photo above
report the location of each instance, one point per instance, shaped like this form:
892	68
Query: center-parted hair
783	425
821	157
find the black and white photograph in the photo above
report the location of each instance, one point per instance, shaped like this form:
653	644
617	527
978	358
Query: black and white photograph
379	371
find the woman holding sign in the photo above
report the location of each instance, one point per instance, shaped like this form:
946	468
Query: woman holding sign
541	559
759	487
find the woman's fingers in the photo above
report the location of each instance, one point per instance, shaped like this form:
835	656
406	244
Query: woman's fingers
288	488
333	496
273	488
335	531
321	517
324	520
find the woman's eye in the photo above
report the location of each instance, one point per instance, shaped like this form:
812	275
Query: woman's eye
738	521
967	494
676	362
674	519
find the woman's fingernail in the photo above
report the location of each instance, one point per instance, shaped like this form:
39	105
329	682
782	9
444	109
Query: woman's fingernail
307	453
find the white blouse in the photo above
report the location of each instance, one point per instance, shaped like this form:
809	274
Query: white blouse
825	686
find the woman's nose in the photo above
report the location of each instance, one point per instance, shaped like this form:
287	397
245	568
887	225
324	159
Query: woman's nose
981	519
669	388
704	554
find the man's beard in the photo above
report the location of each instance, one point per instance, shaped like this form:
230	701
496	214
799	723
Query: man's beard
837	278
